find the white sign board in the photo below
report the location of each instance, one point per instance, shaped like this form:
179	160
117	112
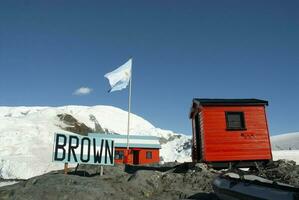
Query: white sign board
83	149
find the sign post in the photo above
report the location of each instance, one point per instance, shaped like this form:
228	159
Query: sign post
102	171
66	169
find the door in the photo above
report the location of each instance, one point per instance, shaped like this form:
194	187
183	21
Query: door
135	157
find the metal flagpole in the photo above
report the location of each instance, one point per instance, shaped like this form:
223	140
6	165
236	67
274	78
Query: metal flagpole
129	112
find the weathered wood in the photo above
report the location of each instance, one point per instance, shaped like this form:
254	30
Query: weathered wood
102	171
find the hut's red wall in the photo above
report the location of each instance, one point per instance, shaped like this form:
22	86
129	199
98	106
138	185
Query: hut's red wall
224	145
122	160
142	156
155	156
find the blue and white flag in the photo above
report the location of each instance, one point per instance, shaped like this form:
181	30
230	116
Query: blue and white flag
120	78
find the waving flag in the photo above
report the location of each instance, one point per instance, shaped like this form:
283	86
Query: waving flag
120	77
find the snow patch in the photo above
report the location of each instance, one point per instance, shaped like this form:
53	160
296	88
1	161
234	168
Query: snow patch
287	155
5	183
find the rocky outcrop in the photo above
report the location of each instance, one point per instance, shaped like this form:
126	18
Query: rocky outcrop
169	181
72	125
163	140
285	171
185	147
97	127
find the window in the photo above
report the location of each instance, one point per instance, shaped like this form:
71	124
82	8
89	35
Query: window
149	155
119	155
235	121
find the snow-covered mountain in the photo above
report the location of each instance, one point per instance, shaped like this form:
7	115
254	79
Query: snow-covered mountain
289	141
27	134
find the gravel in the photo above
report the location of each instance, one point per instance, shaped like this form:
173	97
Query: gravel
168	181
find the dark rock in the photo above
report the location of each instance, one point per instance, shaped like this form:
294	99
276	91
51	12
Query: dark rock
116	183
167	181
171	138
34	181
67	119
163	140
73	125
284	171
97	127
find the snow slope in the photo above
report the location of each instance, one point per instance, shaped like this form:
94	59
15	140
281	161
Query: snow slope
286	146
289	141
26	136
286	154
178	149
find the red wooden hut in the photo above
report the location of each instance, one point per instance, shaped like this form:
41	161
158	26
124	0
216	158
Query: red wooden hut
137	156
229	132
142	149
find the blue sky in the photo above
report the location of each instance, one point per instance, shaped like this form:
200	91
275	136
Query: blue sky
180	50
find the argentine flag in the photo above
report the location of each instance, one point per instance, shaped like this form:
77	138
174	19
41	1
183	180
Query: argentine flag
120	77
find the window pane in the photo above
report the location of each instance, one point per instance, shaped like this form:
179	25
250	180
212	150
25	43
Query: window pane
119	155
235	120
149	155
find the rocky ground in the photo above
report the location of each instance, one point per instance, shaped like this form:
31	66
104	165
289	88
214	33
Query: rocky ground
167	181
280	171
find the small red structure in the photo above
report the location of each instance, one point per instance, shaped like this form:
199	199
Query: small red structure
142	149
230	132
137	155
